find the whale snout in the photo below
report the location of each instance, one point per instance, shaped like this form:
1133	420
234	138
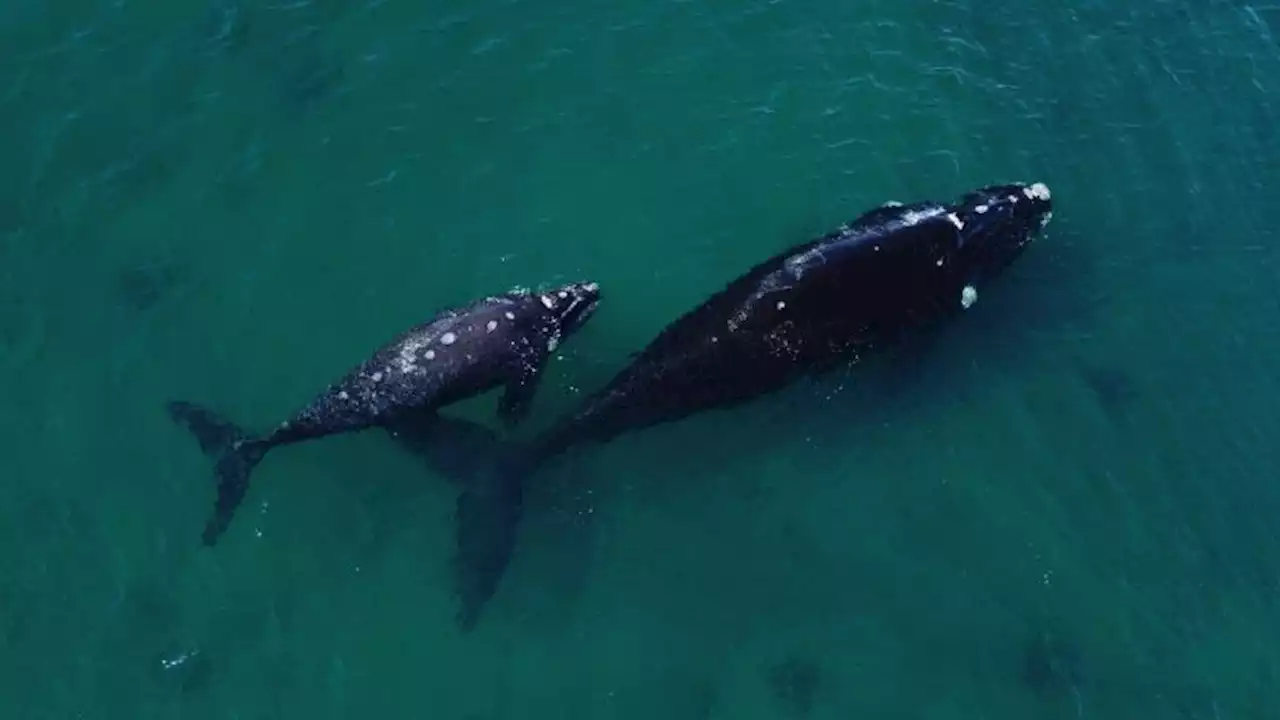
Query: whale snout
997	222
1039	204
575	303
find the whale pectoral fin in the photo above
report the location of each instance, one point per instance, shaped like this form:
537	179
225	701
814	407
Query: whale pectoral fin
517	399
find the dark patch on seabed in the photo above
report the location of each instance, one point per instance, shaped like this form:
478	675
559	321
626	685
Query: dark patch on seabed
1051	667
1114	386
796	682
142	286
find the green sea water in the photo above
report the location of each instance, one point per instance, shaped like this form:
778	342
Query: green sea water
1067	509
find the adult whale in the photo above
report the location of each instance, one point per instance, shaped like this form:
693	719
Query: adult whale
499	341
895	273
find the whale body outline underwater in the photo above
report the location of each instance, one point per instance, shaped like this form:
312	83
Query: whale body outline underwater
894	272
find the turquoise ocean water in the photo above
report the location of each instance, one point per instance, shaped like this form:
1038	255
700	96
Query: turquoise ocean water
1067	510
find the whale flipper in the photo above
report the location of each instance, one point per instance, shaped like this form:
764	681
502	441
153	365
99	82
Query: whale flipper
517	397
236	456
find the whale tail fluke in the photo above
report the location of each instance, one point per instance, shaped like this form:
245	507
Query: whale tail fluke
487	519
460	450
235	454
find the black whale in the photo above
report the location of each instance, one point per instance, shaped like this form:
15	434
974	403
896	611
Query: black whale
892	274
462	352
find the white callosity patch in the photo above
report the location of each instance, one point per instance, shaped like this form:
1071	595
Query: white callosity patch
914	217
782	305
510	315
968	296
548	302
411	351
563	294
1037	191
491	325
407	360
955	220
981	209
553	342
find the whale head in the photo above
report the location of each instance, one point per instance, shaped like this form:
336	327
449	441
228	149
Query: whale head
996	223
572	305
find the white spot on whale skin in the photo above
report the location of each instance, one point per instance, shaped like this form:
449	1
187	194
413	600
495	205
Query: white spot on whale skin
981	209
491	325
553	343
782	304
955	220
968	296
342	395
548	302
430	355
1045	220
510	315
563	294
376	377
448	338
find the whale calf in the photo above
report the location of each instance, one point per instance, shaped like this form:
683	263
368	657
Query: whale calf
895	273
500	341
